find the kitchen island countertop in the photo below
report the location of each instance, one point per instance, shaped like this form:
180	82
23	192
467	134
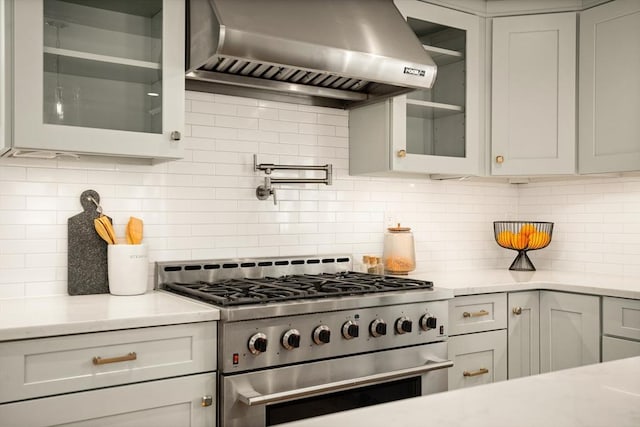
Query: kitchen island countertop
36	317
488	281
600	395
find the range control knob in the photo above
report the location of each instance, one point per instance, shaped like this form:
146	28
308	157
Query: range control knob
350	330
291	339
322	335
427	322
403	325
378	328
258	343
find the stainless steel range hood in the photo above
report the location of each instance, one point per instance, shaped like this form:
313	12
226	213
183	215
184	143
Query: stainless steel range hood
322	52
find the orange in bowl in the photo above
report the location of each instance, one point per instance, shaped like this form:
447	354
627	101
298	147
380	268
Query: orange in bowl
505	237
539	239
519	241
528	229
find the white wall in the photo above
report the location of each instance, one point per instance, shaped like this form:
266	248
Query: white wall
596	220
205	206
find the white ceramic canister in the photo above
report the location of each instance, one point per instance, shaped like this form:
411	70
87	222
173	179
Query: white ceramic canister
128	268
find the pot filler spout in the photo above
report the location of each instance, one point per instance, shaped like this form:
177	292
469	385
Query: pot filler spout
324	52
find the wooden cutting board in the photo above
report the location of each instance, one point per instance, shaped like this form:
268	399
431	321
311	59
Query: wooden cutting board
87	252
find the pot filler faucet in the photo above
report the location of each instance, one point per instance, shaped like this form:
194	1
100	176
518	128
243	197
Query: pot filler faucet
264	191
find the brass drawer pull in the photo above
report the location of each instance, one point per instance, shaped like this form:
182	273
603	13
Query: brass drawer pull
517	310
475	314
480	371
100	361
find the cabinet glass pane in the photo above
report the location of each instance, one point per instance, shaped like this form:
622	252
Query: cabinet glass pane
103	64
436	117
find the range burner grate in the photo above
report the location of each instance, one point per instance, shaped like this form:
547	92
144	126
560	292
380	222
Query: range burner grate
244	291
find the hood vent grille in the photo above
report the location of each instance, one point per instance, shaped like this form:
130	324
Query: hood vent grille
351	51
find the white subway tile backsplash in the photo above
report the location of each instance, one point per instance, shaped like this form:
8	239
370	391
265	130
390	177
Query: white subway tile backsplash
213	132
12	173
209	108
333	119
204	206
315	129
257	135
297	116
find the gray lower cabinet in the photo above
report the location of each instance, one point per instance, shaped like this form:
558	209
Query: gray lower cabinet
165	403
524	333
620	328
478	359
478	341
155	376
569	330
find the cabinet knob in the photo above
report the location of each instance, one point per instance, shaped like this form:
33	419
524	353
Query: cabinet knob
499	160
517	310
206	401
175	135
402	153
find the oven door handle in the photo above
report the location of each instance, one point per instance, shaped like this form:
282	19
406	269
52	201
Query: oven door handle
253	398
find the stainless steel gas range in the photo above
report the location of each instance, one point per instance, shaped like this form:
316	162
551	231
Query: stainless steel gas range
305	336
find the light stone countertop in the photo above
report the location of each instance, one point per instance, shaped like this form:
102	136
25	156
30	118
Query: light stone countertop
601	395
35	317
487	281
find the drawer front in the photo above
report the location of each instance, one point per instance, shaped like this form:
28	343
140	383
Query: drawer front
47	366
172	402
621	317
477	313
616	348
477	359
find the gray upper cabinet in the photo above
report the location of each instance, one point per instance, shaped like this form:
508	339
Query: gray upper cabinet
434	131
609	91
533	112
5	75
101	78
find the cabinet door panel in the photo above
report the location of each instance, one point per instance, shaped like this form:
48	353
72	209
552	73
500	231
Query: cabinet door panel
478	359
569	330
477	313
610	88
77	89
621	317
533	111
6	43
430	131
616	348
172	402
524	334
47	366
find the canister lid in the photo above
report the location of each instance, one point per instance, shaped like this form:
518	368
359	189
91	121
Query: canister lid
399	229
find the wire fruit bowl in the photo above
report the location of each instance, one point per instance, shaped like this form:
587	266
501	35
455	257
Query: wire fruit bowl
523	236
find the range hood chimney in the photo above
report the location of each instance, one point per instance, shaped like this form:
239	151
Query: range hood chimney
338	53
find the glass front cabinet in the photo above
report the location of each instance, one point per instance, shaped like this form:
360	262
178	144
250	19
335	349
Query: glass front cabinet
98	77
435	131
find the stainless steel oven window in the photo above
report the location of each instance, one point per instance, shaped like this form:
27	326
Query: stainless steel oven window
342	401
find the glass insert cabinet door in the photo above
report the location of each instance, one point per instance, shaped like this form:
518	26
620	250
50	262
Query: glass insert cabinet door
437	129
100	77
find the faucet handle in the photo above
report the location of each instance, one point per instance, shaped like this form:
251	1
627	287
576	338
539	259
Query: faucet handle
264	191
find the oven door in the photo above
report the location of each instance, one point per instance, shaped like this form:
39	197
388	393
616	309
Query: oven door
279	395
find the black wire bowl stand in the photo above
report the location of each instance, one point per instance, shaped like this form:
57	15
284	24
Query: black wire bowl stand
522	236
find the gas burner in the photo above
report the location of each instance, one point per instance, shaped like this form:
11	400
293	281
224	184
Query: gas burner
246	291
